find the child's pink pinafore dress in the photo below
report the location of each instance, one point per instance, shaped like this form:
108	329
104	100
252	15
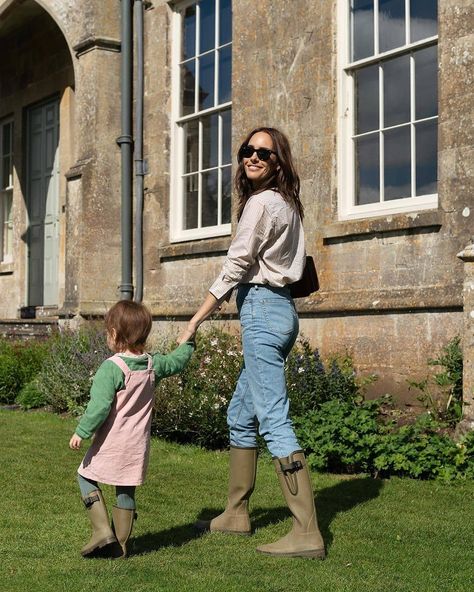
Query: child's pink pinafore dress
119	452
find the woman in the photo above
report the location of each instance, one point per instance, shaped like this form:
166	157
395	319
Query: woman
265	256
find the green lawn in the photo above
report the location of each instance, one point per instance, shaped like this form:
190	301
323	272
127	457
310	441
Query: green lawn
381	536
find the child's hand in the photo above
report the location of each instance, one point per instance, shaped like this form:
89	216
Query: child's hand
75	442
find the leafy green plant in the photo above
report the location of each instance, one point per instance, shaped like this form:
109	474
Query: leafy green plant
342	436
31	397
441	393
20	361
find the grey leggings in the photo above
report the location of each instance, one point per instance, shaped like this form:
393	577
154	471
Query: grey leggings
125	493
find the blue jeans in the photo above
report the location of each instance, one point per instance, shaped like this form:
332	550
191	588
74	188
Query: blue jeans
269	326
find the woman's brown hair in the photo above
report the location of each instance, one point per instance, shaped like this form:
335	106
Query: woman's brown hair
285	179
132	324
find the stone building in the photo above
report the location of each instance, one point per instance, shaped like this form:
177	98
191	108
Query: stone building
375	96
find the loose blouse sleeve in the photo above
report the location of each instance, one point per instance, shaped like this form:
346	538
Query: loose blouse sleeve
253	233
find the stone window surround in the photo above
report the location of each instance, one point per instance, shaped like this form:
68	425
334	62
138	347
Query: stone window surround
6	259
347	211
177	234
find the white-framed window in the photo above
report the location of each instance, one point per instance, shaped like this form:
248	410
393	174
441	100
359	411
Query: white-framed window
6	191
388	101
200	204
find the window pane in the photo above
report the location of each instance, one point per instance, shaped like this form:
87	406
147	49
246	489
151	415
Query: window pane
426	157
7	139
191	202
367	99
5	172
397	163
209	198
226	194
210	141
396	90
362	26
225	74
227	137
191	131
225	22
189	33
8	228
424	19
391	24
426	82
367	169
206	81
188	80
207	31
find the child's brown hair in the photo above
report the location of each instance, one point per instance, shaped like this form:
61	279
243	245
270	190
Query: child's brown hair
132	324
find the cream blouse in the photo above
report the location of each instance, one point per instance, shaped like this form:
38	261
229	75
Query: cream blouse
268	247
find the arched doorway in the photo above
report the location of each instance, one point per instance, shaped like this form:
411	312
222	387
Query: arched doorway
36	84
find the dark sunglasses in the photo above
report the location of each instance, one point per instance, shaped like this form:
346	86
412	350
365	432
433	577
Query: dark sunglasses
262	153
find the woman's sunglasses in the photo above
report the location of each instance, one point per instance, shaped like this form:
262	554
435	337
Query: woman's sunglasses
262	153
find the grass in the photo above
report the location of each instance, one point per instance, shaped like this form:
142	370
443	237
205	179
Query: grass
382	536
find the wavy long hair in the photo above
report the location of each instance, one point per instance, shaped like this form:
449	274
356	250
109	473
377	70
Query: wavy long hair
285	178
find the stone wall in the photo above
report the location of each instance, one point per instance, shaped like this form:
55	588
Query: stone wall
391	287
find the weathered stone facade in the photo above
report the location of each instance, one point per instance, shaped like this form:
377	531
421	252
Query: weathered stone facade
391	287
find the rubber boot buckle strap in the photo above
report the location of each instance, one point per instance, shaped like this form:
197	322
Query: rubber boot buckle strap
292	467
89	501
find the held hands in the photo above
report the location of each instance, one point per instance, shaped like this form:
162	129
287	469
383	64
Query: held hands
188	334
210	304
75	442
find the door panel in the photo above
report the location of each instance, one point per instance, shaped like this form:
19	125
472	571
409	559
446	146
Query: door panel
43	203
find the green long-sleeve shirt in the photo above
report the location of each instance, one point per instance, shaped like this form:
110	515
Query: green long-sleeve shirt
109	379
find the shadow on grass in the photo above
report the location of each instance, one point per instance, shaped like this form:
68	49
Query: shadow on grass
176	536
342	497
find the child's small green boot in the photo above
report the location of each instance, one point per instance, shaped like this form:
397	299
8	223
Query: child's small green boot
122	523
103	539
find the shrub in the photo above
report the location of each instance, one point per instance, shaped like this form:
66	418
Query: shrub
342	436
441	393
31	397
354	437
20	361
311	382
192	406
65	379
418	450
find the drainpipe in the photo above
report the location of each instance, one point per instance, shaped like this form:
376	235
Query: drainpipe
125	141
140	164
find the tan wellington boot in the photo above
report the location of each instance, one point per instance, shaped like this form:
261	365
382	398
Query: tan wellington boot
242	471
122	523
102	535
304	539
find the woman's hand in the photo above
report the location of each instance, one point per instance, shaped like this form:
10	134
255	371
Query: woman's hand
75	442
189	333
209	305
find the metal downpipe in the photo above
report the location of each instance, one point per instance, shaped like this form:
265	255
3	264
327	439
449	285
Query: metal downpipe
140	171
125	141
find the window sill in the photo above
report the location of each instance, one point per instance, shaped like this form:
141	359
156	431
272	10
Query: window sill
7	268
389	223
216	246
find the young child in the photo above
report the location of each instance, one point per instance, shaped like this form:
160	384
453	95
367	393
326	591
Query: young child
119	414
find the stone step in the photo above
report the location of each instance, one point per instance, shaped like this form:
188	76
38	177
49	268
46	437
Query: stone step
28	328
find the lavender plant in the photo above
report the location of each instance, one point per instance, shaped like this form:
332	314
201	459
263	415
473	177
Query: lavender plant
66	377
